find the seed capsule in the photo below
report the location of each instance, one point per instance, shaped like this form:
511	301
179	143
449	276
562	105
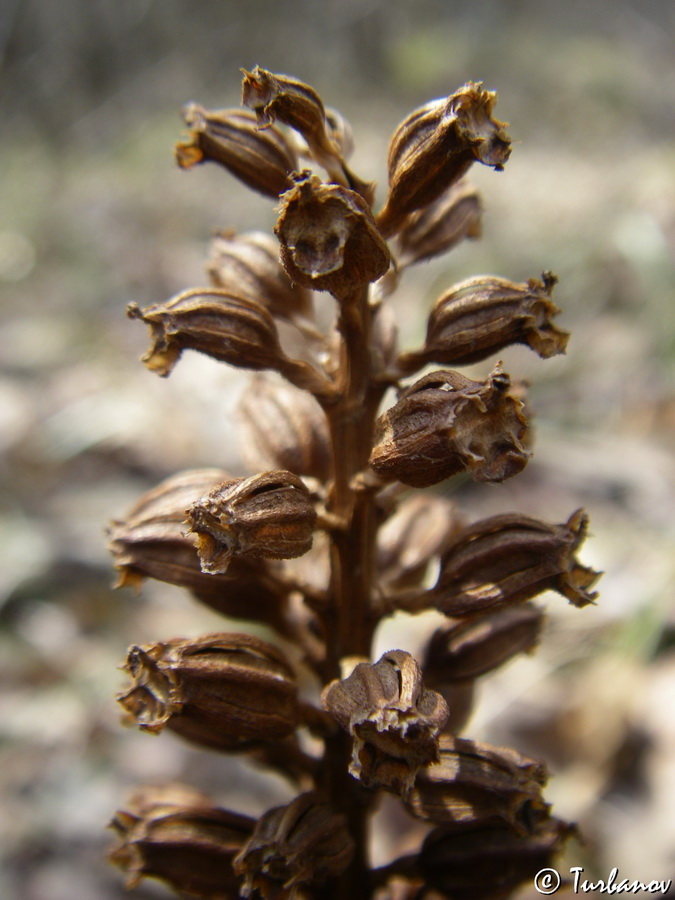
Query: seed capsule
269	515
224	691
435	145
283	428
150	542
491	862
225	327
512	558
467	649
328	237
281	98
453	217
416	533
176	835
301	844
474	783
247	265
263	160
481	316
393	719
446	423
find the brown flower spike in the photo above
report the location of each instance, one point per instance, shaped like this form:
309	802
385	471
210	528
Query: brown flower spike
319	541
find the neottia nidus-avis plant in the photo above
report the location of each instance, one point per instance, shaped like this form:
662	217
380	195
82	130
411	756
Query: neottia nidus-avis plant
327	536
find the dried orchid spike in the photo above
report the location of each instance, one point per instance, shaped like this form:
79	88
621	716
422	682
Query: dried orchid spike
321	544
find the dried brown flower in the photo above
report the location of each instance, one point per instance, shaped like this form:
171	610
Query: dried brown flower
328	238
446	423
263	160
269	515
474	783
468	648
394	720
489	863
225	691
435	145
152	542
284	428
303	843
247	265
175	835
511	558
455	216
481	316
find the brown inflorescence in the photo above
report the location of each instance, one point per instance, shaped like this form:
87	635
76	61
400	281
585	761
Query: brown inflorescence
321	540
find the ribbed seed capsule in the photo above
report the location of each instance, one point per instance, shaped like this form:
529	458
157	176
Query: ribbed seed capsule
328	237
247	265
467	649
512	558
276	97
176	835
414	535
224	691
301	844
446	423
393	719
284	428
263	160
490	862
455	216
481	316
151	542
270	515
225	327
435	145
474	783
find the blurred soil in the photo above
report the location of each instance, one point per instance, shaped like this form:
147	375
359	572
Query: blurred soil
94	214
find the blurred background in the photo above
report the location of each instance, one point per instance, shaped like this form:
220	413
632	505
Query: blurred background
94	214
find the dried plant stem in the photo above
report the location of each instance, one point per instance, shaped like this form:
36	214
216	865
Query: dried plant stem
349	620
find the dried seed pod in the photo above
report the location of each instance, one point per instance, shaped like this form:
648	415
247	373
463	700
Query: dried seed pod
212	321
177	837
301	844
329	241
475	783
283	428
510	558
393	719
435	145
247	265
446	423
281	98
263	160
269	515
489	863
150	542
481	316
417	532
453	217
224	691
467	649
